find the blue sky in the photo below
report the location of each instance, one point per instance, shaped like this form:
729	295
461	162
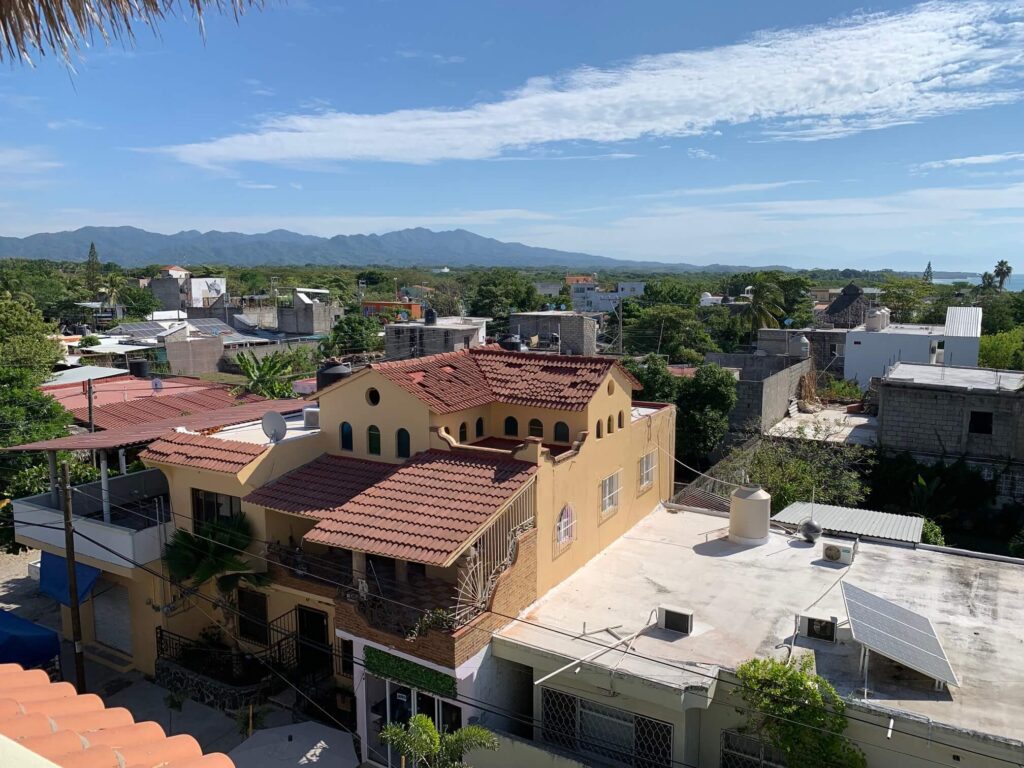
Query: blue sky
806	133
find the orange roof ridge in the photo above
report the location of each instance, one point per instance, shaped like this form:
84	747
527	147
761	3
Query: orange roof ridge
77	731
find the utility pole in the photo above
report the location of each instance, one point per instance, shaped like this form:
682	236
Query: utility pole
69	557
92	427
621	330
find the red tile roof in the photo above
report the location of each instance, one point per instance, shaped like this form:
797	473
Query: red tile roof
120	389
142	410
77	731
323	485
424	510
146	433
186	449
471	377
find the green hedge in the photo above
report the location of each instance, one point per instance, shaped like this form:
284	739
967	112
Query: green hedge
399	670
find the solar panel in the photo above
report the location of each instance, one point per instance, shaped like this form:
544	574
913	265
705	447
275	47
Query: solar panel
906	637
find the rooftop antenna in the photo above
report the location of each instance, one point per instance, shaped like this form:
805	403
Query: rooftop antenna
156	384
274	426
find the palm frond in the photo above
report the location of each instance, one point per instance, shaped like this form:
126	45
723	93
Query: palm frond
61	26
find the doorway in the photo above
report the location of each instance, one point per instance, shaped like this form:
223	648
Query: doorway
112	617
314	640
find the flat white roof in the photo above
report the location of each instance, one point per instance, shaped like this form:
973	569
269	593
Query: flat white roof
985	379
252	431
906	329
745	600
82	373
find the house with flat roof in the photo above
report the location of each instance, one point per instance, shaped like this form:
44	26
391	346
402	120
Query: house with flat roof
631	660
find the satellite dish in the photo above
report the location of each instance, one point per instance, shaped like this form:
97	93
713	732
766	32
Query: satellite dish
787	322
156	384
274	426
561	307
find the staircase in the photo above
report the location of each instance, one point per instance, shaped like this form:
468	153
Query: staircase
794	407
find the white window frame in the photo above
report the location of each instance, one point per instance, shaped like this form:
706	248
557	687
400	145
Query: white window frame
565	528
646	469
610	496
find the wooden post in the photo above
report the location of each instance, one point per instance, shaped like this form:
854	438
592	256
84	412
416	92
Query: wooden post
69	557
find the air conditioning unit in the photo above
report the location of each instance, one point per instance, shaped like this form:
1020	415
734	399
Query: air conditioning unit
675	619
839	553
311	418
818	629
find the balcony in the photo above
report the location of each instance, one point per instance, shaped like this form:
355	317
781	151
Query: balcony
129	528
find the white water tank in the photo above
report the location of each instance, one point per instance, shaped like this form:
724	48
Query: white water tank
750	510
799	346
876	320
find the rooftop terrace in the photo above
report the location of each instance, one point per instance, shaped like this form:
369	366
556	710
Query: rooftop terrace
745	600
986	379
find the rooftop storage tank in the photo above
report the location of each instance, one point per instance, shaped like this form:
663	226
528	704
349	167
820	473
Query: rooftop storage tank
750	510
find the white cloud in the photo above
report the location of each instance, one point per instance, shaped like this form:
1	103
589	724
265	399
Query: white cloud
961	162
25	161
72	123
701	154
258	88
255	185
862	73
437	58
728	189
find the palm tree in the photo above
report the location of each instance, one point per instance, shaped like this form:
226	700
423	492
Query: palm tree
988	281
764	308
28	26
1002	272
266	376
214	555
422	745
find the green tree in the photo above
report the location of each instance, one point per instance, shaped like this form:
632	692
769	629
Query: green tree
998	312
138	303
88	341
705	402
92	271
421	744
1002	272
266	376
26	339
669	290
1001	350
928	275
213	555
725	327
445	300
501	291
988	282
903	296
668	330
352	333
931	533
659	385
797	712
764	308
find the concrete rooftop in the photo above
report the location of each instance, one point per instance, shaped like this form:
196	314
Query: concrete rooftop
987	379
907	329
832	425
745	600
252	431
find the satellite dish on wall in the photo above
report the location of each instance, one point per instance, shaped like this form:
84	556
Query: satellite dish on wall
787	322
156	384
274	426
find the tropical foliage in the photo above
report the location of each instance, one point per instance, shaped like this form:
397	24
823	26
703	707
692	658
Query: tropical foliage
421	744
268	376
764	309
705	402
352	334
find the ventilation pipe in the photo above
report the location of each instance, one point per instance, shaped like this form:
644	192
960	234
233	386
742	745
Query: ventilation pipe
750	510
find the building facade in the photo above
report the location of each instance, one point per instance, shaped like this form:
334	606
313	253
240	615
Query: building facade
570	333
446	334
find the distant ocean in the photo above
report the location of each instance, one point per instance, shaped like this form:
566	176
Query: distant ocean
1015	283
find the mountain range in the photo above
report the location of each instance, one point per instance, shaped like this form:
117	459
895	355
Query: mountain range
132	247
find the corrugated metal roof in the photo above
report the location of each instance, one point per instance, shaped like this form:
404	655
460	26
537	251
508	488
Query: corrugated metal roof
141	434
82	373
963	321
859	522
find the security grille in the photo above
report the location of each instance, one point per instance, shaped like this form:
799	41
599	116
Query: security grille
609	495
646	474
741	750
612	736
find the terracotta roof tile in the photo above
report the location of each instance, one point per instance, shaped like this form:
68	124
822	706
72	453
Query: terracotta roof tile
146	433
468	378
38	714
187	449
426	509
322	485
143	410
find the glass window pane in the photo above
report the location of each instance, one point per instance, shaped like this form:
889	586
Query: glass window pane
426	705
451	717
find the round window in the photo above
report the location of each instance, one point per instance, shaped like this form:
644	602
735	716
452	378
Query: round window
372	396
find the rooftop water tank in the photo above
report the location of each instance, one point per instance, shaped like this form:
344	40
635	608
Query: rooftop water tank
139	368
875	321
799	346
750	510
430	317
331	374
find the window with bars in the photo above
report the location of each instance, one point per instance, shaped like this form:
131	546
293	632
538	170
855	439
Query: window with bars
612	736
610	494
742	750
209	507
565	528
648	464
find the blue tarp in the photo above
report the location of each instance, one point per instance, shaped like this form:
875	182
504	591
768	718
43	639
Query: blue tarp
26	643
53	578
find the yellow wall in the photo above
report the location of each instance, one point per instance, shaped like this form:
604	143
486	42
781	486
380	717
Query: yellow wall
397	409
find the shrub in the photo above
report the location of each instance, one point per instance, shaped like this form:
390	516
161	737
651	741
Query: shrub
932	533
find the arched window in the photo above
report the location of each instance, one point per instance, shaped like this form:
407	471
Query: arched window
463	432
600	429
402	449
611	425
561	432
536	428
373	440
565	527
511	426
480	427
622	419
346	436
